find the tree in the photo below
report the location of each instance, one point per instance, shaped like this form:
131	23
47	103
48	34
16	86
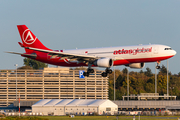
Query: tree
125	70
142	82
179	74
118	95
149	88
111	83
141	71
34	63
163	70
25	67
119	81
162	84
148	72
151	80
111	93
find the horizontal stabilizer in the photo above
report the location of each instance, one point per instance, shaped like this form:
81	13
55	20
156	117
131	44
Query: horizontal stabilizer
24	54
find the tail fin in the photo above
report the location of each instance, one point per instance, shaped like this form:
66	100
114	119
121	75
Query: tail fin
29	39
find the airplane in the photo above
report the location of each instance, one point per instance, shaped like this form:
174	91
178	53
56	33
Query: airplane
130	56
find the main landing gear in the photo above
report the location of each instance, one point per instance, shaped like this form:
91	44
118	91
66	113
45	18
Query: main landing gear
158	67
104	74
89	70
107	71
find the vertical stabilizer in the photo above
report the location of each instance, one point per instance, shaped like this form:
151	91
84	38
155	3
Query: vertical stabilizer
29	39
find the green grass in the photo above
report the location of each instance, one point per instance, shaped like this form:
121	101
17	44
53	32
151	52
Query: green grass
110	117
91	118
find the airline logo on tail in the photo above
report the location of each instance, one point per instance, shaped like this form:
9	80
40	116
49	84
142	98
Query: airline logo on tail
28	38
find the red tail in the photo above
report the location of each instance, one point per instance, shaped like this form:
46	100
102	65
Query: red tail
29	39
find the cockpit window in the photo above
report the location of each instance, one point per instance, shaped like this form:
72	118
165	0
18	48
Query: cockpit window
168	49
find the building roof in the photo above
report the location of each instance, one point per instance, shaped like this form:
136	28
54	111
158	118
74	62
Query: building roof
52	102
64	102
72	102
42	102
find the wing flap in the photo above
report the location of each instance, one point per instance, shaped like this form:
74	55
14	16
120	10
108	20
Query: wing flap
64	55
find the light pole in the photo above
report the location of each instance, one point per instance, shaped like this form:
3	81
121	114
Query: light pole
19	104
155	79
127	84
171	88
16	80
167	81
114	85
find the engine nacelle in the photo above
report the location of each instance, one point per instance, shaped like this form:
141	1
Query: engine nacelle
136	65
104	62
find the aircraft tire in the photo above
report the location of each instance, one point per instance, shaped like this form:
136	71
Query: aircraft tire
109	71
90	70
86	74
104	74
158	67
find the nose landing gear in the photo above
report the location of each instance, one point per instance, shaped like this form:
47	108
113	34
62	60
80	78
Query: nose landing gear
158	67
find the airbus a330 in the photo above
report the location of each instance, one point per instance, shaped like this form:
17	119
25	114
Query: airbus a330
131	56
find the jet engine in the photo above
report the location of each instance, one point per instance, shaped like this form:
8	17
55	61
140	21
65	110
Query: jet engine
104	62
136	65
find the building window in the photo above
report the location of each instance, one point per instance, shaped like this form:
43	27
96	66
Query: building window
108	109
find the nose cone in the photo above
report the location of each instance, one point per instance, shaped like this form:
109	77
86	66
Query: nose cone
174	52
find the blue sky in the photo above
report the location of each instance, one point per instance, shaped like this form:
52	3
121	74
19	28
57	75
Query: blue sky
70	24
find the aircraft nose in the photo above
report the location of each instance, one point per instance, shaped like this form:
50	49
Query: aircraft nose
174	52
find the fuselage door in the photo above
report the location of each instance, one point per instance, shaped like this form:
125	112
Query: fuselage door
155	50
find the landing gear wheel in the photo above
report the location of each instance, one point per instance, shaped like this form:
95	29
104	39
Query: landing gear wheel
86	74
104	74
90	70
109	71
158	67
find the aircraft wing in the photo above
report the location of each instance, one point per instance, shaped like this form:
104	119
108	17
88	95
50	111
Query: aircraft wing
65	55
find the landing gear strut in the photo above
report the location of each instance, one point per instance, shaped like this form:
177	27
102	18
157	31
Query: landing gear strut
104	74
90	70
158	67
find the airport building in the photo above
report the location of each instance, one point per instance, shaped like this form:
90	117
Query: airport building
50	83
63	91
149	105
74	106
